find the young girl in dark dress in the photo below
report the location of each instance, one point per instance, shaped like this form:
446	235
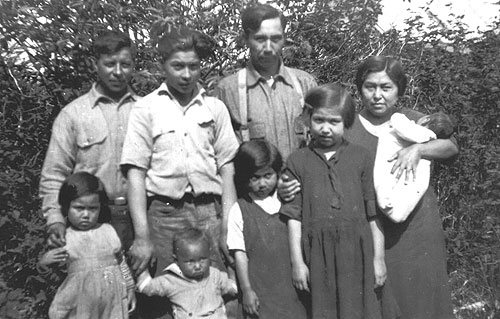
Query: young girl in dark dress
257	236
336	243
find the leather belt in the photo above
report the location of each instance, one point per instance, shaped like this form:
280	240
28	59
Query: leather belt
200	199
119	201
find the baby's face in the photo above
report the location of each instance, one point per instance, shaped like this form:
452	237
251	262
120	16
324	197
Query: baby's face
193	259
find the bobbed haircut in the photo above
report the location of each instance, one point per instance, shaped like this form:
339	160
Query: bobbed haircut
251	157
332	96
111	42
185	39
441	124
82	184
378	63
252	17
189	236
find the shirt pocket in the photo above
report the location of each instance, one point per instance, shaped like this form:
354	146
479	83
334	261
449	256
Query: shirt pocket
205	131
92	146
163	138
257	130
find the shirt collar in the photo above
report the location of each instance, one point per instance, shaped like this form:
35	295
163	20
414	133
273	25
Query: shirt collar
95	96
253	76
176	270
198	99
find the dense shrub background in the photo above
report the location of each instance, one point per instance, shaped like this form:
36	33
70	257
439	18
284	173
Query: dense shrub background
44	64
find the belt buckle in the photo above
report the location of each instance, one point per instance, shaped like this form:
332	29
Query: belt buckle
120	201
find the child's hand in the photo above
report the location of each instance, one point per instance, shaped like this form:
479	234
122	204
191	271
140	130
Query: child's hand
56	255
300	277
251	302
380	271
131	301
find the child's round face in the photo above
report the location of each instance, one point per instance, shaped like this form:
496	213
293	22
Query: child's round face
327	128
263	182
193	259
84	211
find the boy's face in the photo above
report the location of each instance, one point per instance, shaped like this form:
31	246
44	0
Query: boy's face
263	182
193	259
114	72
182	70
327	128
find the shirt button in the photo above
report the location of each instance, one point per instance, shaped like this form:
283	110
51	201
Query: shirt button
185	134
190	314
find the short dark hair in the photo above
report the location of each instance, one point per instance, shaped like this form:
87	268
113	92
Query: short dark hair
185	39
251	157
390	65
441	124
82	184
252	17
331	96
110	42
190	236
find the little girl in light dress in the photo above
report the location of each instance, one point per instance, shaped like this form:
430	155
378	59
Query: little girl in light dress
99	283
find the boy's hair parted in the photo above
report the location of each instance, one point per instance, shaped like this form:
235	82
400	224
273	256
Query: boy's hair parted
183	38
82	184
252	17
111	42
189	236
251	157
331	96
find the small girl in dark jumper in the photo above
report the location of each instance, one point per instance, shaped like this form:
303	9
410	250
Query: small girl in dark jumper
99	283
257	236
336	242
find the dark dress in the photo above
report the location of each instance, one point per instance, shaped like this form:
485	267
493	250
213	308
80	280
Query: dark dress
269	269
415	249
336	236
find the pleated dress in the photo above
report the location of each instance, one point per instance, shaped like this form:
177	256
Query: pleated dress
95	287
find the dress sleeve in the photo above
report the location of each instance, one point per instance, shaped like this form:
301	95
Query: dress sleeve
293	209
235	238
367	184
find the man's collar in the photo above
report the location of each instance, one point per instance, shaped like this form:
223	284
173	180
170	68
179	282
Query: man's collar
253	76
95	96
198	98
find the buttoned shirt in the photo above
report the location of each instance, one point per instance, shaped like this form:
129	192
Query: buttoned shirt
181	148
87	135
273	111
190	298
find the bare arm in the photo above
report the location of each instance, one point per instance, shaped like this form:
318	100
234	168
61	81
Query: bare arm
406	160
228	200
378	252
141	250
250	298
300	272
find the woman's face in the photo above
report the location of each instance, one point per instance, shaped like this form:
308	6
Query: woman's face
379	94
182	70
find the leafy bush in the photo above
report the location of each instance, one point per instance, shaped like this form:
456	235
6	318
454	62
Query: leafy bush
45	64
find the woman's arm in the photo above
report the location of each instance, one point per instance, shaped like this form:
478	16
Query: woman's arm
406	159
300	272
141	250
250	298
378	252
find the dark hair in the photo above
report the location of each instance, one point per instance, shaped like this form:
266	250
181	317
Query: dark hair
111	42
251	157
441	124
82	184
391	66
185	39
332	96
252	17
189	236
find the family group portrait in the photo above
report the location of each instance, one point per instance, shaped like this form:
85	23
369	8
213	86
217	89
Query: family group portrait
234	159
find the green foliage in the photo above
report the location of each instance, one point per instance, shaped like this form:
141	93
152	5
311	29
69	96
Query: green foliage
45	63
